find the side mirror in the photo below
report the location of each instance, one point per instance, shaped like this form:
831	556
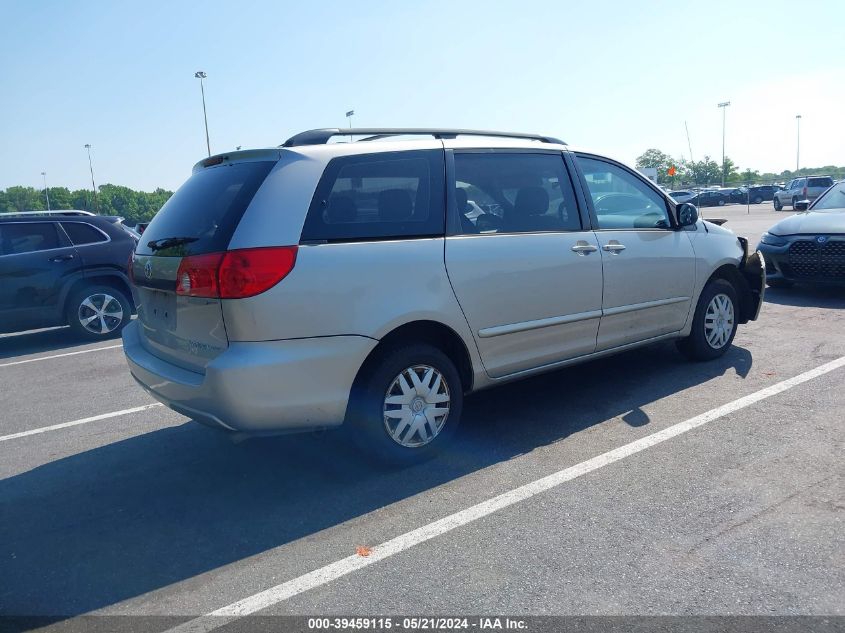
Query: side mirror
687	214
802	205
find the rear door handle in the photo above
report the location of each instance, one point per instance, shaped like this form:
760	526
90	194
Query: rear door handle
613	247
583	248
61	258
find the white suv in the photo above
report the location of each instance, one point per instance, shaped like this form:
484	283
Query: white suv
374	283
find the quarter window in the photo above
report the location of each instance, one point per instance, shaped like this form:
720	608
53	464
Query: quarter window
82	233
27	237
514	193
379	196
620	199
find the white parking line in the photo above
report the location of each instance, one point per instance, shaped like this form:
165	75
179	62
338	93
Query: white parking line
84	351
333	571
64	425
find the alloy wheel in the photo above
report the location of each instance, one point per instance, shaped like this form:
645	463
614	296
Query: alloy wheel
100	313
416	406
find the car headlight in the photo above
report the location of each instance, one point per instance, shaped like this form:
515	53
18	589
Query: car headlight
772	240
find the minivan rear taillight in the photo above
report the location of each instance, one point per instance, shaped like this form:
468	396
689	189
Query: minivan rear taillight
234	274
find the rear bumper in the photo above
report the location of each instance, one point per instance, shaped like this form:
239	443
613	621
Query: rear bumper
257	387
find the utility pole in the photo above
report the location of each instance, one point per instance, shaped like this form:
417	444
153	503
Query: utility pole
723	105
798	143
689	144
201	75
93	186
46	191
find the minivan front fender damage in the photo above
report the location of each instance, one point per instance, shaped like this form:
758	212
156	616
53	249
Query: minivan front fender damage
753	270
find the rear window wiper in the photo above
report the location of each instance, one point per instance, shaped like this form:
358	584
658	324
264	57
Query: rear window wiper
167	242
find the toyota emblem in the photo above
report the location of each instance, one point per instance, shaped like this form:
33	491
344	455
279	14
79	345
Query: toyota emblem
148	269
821	239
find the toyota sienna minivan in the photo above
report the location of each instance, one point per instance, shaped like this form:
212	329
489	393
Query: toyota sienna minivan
374	283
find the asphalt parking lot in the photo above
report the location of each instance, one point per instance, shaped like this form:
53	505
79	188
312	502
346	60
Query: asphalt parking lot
143	512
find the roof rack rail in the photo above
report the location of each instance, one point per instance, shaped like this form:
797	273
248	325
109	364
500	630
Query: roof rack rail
65	212
322	136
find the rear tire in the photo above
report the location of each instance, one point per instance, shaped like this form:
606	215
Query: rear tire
757	200
721	203
98	313
408	406
714	323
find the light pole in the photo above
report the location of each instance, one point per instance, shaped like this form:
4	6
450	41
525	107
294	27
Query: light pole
723	105
93	186
797	143
349	116
46	191
201	75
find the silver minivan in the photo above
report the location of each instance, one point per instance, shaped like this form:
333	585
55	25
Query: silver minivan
374	283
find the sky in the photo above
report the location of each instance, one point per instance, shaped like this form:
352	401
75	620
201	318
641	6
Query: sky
614	76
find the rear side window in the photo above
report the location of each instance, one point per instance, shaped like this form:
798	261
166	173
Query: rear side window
27	237
820	182
378	196
204	212
82	233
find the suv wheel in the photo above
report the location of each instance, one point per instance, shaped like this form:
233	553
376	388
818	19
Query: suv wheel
794	201
757	200
409	406
714	324
721	203
98	312
778	205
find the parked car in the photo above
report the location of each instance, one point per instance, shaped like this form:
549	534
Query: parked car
369	301
709	198
804	188
141	227
64	268
810	245
737	195
681	196
759	193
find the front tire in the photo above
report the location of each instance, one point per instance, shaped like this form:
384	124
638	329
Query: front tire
714	323
757	200
408	406
794	201
778	205
98	313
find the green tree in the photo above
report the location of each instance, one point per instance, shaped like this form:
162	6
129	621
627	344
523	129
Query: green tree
661	162
25	199
729	170
703	172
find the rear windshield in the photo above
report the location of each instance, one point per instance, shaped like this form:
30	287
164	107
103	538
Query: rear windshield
203	213
820	182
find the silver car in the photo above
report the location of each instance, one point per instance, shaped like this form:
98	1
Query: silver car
317	284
